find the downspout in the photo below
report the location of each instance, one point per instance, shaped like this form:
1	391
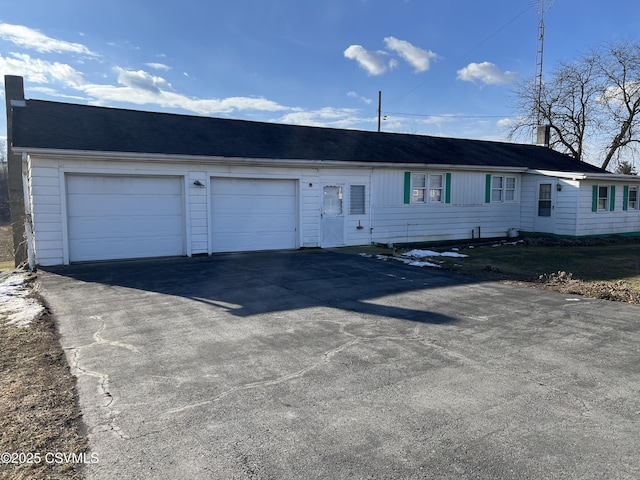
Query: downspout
28	220
370	212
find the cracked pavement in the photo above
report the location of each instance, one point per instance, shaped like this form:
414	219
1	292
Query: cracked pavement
325	364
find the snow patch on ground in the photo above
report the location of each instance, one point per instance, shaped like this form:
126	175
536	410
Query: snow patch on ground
431	253
16	304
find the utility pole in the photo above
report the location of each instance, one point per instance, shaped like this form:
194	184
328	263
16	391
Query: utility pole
379	108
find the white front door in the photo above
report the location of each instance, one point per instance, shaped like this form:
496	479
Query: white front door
332	216
545	206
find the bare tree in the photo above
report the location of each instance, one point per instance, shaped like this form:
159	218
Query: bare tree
593	101
620	69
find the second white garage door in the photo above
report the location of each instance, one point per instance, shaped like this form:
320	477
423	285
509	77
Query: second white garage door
115	217
253	214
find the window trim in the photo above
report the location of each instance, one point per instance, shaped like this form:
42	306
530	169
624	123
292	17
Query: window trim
425	176
491	189
444	188
636	189
603	201
609	205
363	199
627	202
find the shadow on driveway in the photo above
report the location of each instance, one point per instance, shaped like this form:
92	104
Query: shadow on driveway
257	283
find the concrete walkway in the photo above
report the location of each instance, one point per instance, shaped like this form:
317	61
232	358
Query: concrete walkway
317	364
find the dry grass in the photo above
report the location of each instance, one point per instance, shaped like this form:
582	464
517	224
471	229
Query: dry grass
39	412
607	268
6	247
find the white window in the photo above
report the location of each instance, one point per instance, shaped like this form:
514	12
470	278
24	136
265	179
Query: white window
503	189
633	198
436	187
497	184
418	187
428	188
356	199
510	189
603	197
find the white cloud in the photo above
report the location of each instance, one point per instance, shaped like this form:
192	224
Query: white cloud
32	39
141	88
325	117
372	62
418	58
40	71
141	80
368	101
158	66
506	122
487	73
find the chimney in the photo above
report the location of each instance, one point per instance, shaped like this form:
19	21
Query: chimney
544	133
14	96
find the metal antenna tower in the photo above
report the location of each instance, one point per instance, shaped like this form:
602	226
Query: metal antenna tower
541	6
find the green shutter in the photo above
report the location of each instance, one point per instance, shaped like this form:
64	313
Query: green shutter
612	200
487	189
625	198
407	187
447	188
594	198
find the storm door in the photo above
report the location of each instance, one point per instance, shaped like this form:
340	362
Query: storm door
332	216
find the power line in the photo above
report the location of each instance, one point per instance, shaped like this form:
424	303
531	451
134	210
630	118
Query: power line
444	115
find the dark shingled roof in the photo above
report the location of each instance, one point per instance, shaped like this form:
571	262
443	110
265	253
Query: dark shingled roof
64	126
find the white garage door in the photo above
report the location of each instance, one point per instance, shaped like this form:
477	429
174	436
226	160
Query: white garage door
253	214
111	217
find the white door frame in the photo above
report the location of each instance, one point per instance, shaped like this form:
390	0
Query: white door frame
545	207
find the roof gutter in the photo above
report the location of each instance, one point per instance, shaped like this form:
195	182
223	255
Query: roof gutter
587	176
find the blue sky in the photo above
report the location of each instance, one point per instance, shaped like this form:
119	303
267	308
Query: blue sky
445	67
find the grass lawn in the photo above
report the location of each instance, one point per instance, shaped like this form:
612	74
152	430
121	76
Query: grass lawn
597	268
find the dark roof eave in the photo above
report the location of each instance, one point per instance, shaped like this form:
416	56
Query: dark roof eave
184	158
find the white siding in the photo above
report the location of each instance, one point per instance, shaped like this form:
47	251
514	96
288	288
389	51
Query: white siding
605	222
46	209
466	216
310	190
468	189
567	208
198	212
528	197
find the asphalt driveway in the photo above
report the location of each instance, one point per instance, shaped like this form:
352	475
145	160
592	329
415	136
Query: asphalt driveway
318	364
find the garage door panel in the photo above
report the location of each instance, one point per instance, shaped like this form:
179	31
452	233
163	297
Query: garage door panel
113	217
251	187
253	214
125	205
124	185
85	248
253	206
112	227
246	241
